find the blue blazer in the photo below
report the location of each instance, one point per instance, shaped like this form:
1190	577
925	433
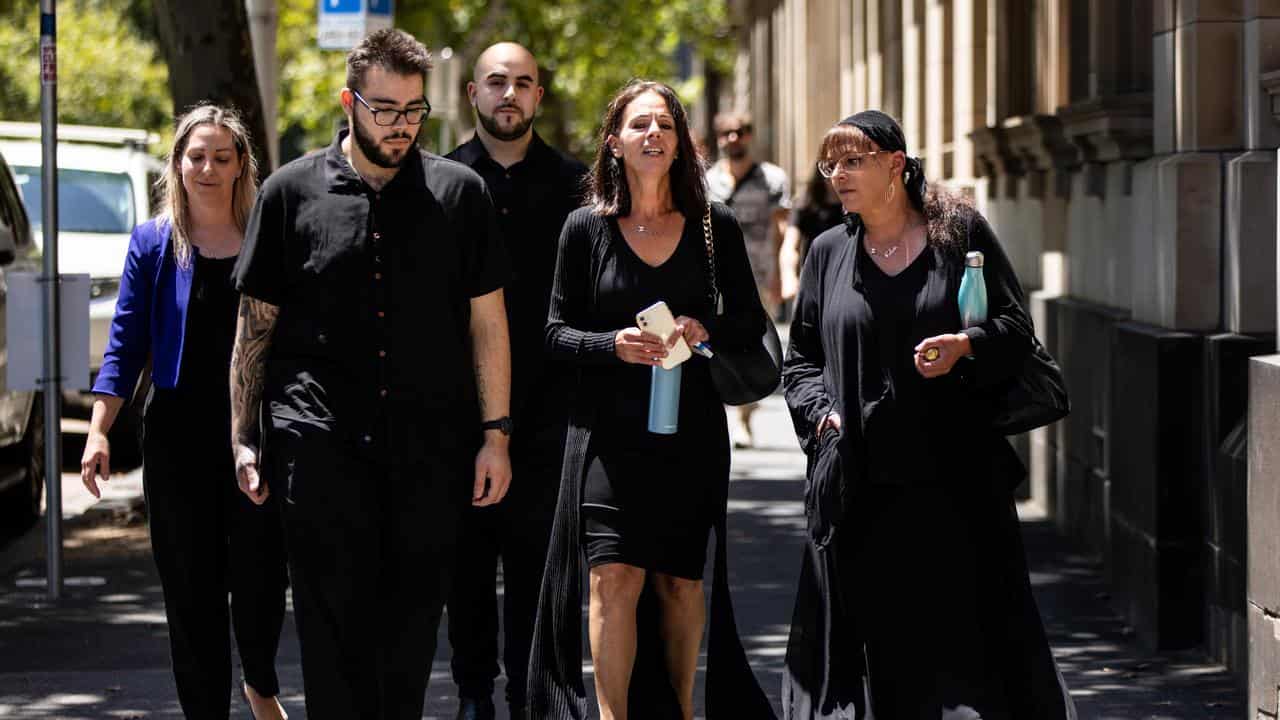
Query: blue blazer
151	314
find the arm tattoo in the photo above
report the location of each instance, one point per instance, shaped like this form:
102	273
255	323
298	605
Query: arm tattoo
248	368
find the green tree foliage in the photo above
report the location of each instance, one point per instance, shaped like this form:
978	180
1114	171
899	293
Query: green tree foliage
309	81
109	71
587	50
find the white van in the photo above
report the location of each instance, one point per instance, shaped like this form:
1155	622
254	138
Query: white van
105	176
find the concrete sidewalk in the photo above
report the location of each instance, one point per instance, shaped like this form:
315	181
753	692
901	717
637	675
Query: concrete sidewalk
103	651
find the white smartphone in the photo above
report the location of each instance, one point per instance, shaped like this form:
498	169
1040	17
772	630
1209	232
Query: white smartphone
657	320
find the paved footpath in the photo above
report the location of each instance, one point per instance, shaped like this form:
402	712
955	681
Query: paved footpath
103	651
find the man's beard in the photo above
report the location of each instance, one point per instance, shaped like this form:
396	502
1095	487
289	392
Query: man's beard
374	152
736	152
491	126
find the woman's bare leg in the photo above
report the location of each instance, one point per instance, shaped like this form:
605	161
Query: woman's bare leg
684	614
615	592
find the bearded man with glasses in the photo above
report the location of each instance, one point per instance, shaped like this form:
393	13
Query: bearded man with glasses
372	343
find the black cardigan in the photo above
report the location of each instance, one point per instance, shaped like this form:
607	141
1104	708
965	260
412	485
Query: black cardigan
556	689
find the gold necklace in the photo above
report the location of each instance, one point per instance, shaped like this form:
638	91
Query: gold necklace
644	229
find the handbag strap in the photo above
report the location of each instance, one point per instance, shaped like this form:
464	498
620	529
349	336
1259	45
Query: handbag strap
717	300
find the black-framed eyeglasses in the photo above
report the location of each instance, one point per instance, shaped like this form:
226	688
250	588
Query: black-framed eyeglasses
387	117
847	164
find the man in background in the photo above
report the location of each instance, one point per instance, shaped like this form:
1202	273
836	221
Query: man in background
760	196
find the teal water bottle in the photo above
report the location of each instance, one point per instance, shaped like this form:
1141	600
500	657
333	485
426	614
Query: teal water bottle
973	291
664	400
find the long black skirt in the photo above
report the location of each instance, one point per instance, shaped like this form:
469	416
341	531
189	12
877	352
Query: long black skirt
931	613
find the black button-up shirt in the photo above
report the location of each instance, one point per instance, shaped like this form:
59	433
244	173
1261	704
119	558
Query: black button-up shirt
533	197
372	346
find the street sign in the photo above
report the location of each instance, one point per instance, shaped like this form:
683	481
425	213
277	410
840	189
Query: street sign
342	24
24	333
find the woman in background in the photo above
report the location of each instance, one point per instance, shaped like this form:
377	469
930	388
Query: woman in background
818	211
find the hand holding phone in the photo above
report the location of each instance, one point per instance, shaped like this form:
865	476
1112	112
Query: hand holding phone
658	320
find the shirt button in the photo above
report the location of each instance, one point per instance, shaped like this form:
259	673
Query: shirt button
377	236
377	276
382	353
381	314
383	392
507	176
377	258
504	211
367	439
322	338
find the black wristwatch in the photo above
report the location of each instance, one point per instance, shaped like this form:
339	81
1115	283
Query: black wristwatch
502	424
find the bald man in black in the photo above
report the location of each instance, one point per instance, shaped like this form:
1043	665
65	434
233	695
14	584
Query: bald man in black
534	188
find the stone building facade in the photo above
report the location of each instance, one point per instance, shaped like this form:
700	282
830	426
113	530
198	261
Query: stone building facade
1126	153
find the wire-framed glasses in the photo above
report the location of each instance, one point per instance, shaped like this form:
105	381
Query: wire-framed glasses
390	116
847	164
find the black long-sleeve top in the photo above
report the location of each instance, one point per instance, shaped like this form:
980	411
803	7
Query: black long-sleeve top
582	337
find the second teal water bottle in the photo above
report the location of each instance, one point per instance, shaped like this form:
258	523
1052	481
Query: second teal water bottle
973	291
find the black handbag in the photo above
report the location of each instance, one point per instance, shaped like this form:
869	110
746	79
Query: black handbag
1035	398
748	373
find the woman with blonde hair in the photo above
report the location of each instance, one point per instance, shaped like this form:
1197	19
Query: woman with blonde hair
176	314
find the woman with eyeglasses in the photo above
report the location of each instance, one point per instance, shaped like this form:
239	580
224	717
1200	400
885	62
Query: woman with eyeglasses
176	317
914	592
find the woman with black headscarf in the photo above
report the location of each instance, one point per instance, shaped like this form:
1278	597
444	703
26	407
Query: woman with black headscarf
914	599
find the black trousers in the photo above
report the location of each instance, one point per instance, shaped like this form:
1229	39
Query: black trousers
371	548
518	530
209	540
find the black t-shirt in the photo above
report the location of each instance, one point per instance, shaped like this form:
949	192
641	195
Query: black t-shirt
372	346
533	197
210	332
813	220
902	455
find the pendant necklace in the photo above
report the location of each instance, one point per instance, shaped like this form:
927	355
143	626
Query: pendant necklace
889	251
644	229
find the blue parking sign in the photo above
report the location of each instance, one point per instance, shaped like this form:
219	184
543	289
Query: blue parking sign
340	6
380	7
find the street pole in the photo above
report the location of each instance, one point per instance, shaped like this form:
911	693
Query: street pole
49	280
262	33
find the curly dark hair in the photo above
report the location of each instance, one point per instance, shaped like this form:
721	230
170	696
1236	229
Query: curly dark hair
606	185
946	212
390	49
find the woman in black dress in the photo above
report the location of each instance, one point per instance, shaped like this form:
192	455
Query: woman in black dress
638	505
914	592
176	316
